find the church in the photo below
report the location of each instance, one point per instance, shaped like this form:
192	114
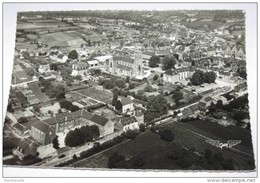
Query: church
126	65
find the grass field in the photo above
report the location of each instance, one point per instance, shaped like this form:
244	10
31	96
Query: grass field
154	150
99	95
37	92
59	37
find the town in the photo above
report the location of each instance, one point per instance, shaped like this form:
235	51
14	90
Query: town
129	90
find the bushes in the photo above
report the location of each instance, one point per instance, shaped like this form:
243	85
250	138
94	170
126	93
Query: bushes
114	159
22	120
131	134
166	135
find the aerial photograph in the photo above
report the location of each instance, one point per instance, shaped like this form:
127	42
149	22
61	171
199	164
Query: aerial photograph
128	89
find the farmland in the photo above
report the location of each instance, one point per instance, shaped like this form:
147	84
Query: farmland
154	150
57	37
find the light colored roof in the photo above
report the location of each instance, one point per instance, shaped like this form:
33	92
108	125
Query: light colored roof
90	62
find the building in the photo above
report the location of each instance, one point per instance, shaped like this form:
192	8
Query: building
44	68
42	132
125	105
79	68
64	122
127	123
125	65
58	56
20	129
24	149
93	64
177	75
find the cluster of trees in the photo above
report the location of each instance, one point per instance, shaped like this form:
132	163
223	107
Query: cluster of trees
157	107
73	54
169	62
22	120
55	143
52	89
199	77
177	95
80	136
218	161
154	61
149	88
33	60
68	105
112	82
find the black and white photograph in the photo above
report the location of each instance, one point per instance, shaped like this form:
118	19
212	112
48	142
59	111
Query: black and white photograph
131	89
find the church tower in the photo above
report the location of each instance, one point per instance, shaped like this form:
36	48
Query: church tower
138	63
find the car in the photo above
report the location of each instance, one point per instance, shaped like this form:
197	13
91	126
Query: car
62	156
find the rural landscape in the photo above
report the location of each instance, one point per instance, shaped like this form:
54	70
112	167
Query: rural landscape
141	90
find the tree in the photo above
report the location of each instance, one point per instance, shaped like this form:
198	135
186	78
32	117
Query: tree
10	108
55	143
74	138
168	63
157	107
210	77
208	154
29	71
114	159
166	135
197	78
141	127
127	79
155	77
22	120
120	83
73	54
177	96
53	66
65	104
149	88
115	98
154	61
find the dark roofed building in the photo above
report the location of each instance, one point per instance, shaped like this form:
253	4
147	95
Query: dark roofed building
42	132
105	126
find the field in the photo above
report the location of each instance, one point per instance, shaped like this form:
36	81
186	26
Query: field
37	92
228	133
59	37
99	95
154	150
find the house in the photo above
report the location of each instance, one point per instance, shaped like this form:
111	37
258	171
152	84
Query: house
92	64
24	148
58	56
127	123
20	129
104	60
177	75
42	132
79	68
105	126
207	101
44	68
125	105
241	87
240	54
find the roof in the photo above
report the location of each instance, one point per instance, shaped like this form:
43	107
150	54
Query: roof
87	115
148	53
211	48
123	58
123	67
92	62
18	126
60	56
128	120
187	111
125	101
207	99
41	126
137	101
99	120
177	71
50	121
